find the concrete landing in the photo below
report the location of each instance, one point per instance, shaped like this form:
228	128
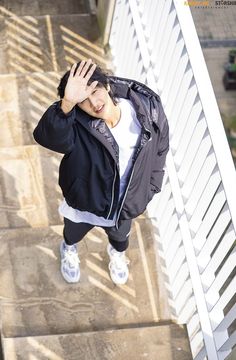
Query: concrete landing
166	342
37	301
23	100
215	22
216	26
47	43
215	59
37	7
29	194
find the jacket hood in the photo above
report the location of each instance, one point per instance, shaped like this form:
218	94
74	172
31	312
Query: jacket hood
148	103
121	86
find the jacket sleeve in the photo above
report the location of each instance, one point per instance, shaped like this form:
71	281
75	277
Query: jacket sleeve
55	130
162	150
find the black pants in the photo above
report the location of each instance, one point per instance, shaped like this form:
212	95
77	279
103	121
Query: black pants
118	238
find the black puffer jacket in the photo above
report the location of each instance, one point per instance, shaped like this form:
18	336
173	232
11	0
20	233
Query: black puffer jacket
89	170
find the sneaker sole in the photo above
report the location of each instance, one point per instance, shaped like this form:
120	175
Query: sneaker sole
113	280
67	279
116	282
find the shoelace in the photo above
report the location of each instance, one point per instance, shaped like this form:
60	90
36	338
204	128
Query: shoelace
119	260
71	257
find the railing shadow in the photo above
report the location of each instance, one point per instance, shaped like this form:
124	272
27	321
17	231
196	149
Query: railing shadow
39	50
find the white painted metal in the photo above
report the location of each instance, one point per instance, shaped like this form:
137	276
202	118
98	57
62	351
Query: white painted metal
194	217
188	311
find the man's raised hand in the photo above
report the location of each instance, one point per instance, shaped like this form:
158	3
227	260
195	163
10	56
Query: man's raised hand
77	88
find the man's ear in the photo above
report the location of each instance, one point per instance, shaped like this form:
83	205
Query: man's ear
108	87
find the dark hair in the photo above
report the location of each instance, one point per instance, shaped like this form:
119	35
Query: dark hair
99	75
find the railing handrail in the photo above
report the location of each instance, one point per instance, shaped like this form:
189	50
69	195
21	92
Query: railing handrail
209	104
194	217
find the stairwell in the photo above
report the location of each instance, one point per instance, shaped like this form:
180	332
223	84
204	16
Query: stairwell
42	317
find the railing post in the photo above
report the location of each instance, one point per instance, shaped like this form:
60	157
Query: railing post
105	11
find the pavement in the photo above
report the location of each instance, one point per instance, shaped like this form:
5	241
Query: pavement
216	29
215	22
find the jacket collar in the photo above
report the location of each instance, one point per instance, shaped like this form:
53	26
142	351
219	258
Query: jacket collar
125	88
99	130
143	98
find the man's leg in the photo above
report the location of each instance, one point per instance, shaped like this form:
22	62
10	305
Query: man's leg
119	238
73	233
118	243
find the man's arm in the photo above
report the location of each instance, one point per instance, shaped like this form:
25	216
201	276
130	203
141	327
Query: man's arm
158	166
55	129
162	150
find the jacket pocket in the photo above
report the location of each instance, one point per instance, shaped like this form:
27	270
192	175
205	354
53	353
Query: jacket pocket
156	180
78	194
84	196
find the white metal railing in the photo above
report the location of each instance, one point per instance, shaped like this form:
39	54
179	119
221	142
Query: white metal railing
194	216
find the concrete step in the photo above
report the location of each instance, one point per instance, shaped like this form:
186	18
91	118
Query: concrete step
23	100
47	43
29	194
166	342
232	356
35	299
36	7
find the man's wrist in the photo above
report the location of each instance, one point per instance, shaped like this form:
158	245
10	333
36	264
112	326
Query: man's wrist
66	105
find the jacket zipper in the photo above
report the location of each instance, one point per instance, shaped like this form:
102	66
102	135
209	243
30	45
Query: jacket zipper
130	179
113	194
118	215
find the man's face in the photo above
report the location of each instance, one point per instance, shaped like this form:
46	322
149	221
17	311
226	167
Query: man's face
99	104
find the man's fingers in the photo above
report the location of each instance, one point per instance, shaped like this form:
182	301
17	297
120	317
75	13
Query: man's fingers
85	68
90	72
72	70
83	73
92	85
80	67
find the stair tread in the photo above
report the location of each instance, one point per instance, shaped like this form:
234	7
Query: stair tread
166	342
47	43
24	98
29	193
37	301
29	7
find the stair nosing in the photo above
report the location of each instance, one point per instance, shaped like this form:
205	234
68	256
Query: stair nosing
108	329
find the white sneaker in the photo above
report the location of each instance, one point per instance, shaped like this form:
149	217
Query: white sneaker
118	266
69	263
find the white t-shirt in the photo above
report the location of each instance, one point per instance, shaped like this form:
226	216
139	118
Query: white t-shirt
126	133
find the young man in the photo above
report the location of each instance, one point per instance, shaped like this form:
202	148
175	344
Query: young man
115	138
